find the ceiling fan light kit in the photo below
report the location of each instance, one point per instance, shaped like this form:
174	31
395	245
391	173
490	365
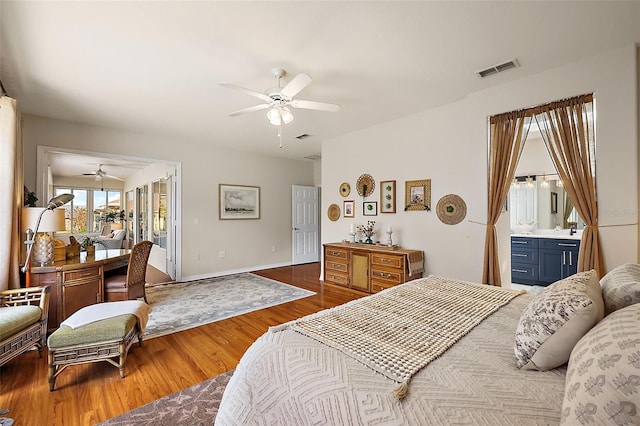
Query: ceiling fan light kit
278	99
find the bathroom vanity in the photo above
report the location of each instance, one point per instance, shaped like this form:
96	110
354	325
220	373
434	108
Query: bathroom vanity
543	259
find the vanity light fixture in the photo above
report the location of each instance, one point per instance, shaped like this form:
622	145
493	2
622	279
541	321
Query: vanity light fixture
515	183
545	182
529	181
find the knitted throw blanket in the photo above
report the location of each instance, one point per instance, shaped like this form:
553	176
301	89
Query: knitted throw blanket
401	330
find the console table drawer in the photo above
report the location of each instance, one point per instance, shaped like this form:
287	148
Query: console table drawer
334	278
387	260
389	276
335	266
337	253
377	286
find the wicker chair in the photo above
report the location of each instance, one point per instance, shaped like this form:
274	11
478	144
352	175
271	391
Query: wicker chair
130	286
23	328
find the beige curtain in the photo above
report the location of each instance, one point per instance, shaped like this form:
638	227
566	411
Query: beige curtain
567	129
11	193
508	133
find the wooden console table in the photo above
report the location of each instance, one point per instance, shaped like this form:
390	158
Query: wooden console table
77	282
370	268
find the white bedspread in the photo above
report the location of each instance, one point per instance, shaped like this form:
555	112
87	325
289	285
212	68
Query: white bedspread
100	311
286	378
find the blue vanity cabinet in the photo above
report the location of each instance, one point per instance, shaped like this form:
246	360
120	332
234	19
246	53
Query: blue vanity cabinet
524	260
558	259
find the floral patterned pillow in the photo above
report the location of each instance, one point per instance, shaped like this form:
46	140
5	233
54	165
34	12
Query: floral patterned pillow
621	287
556	319
603	377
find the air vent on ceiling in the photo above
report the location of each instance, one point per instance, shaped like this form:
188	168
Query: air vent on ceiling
498	68
303	136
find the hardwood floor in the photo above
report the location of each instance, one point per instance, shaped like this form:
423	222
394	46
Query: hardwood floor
91	393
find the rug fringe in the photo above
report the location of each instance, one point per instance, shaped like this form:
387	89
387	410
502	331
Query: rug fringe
401	390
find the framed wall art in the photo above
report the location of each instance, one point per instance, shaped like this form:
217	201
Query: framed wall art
347	208
239	202
417	195
370	208
388	196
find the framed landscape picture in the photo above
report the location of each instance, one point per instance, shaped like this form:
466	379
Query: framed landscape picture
239	202
417	195
388	196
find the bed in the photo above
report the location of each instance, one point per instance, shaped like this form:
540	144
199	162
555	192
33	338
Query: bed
503	369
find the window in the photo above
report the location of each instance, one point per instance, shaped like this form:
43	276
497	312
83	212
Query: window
91	209
160	213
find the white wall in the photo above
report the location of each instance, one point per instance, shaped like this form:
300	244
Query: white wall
449	146
247	243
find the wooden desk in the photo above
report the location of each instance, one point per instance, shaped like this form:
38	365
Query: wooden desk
77	282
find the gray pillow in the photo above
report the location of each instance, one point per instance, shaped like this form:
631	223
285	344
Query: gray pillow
556	319
603	377
621	287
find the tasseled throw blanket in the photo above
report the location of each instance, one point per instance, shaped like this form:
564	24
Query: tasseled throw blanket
100	311
401	330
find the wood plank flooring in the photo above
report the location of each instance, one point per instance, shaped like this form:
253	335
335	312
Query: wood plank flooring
91	393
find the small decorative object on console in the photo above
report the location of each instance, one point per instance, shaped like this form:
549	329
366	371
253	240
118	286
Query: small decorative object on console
367	231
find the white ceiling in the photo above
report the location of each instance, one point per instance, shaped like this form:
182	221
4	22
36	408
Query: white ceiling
154	66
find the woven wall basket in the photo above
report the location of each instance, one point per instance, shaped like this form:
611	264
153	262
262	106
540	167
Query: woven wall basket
451	209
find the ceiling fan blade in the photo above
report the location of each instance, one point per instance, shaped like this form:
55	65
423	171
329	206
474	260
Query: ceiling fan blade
250	109
113	177
247	91
298	83
321	106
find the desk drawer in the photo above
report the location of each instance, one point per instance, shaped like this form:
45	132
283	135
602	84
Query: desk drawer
80	274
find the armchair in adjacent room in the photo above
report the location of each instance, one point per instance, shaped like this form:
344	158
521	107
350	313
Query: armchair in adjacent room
113	240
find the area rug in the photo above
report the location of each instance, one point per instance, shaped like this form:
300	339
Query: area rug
197	405
181	306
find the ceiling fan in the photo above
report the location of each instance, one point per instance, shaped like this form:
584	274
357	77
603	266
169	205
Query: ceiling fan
278	99
101	174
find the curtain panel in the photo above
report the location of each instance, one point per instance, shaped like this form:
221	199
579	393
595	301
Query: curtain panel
508	134
567	128
11	193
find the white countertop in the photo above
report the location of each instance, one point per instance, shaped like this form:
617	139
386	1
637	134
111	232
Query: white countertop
562	234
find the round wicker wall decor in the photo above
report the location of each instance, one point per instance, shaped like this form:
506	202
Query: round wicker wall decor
451	209
333	212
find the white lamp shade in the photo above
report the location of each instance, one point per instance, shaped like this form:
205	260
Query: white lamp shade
52	220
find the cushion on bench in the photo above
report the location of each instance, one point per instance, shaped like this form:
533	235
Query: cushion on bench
105	330
16	318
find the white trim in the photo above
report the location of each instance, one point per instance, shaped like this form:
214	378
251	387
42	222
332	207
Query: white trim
234	271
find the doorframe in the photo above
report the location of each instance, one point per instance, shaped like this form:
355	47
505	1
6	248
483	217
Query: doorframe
42	186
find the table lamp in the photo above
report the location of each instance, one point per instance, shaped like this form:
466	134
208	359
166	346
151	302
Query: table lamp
37	223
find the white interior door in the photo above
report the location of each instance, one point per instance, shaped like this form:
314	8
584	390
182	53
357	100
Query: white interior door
305	227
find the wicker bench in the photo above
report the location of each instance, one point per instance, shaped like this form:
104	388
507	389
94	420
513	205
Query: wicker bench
103	340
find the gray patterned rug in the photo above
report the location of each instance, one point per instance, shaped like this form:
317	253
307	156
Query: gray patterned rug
181	306
194	406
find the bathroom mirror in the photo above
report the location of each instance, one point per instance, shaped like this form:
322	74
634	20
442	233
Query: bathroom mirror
537	199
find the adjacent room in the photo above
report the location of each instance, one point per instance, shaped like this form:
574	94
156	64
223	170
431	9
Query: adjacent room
319	212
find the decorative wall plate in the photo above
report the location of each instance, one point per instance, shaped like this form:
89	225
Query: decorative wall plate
451	209
365	185
345	189
333	212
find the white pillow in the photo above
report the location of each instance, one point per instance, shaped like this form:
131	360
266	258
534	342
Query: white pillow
621	287
556	319
603	377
